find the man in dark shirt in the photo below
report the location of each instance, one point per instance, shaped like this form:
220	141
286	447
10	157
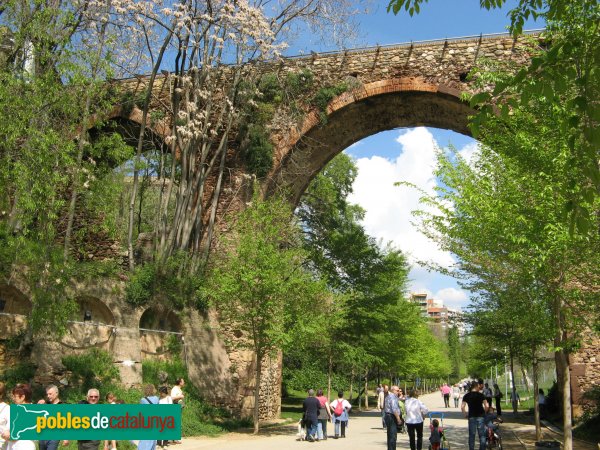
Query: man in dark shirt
310	407
478	406
52	398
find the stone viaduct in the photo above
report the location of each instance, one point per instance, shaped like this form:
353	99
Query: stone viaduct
406	85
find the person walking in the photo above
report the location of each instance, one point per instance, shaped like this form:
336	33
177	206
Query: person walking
498	397
92	398
310	408
4	413
52	398
415	411
381	402
456	394
541	403
21	395
340	409
445	389
323	415
178	396
487	393
393	417
165	399
478	406
149	398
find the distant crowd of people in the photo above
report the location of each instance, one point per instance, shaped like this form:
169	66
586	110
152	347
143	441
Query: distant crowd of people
22	394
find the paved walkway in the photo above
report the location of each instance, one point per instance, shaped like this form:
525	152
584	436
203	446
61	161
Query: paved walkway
365	433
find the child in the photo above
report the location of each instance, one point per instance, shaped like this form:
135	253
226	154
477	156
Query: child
491	420
111	399
435	438
165	399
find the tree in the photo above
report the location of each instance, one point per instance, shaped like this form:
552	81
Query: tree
566	74
48	82
374	316
507	227
258	284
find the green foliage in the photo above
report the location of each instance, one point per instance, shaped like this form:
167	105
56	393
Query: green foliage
259	151
298	83
324	96
270	88
260	110
311	376
131	99
167	283
155	371
19	373
566	75
365	314
92	369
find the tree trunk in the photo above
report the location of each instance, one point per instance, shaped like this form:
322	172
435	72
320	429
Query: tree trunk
329	372
257	394
513	397
526	379
367	390
351	385
536	405
562	366
140	145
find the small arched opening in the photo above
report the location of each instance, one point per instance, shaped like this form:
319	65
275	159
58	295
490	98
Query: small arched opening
161	334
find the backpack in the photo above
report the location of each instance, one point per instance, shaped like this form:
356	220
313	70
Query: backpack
339	408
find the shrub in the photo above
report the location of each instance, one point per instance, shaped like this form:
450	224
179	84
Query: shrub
20	373
168	283
325	95
92	369
270	88
163	372
259	152
299	82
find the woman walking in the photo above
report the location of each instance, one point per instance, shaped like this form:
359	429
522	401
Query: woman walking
456	394
498	397
21	395
415	411
340	407
323	416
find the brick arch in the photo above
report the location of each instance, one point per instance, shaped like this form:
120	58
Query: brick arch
354	115
128	124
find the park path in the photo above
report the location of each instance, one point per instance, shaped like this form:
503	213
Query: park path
365	433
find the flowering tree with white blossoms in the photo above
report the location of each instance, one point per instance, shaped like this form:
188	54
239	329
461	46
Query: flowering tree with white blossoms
216	46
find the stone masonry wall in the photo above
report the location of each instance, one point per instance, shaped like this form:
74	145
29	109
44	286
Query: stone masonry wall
585	372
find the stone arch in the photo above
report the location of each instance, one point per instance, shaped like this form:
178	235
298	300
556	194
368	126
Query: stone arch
15	306
128	125
159	328
13	301
92	309
352	116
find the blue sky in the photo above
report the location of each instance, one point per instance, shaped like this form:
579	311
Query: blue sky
408	154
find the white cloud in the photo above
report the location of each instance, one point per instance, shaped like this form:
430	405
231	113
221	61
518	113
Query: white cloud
468	151
451	297
388	207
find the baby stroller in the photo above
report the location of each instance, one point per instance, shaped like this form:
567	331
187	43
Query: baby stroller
493	438
443	444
